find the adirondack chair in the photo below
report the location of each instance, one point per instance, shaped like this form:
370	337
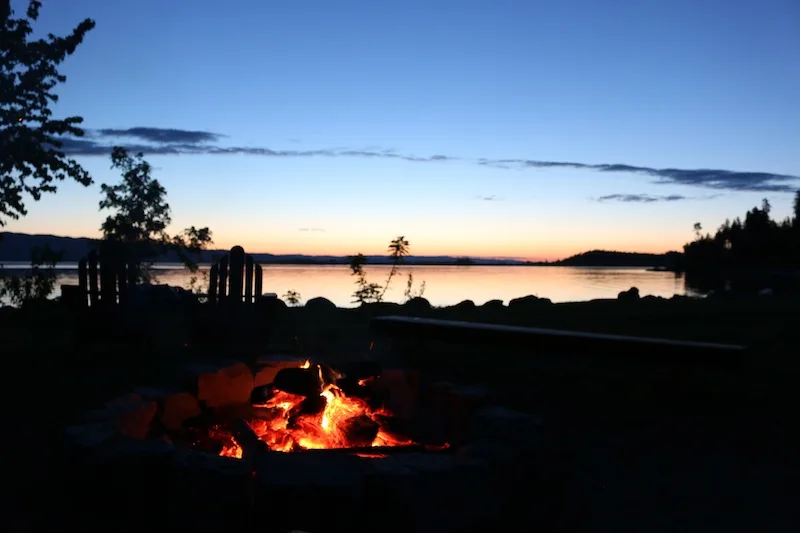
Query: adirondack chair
235	280
104	278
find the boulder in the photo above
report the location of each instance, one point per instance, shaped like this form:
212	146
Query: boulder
417	304
220	385
174	407
493	305
631	295
466	305
320	304
267	367
527	302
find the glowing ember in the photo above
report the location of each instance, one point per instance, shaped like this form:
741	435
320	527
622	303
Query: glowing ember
287	423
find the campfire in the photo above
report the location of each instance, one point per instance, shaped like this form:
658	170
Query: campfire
309	408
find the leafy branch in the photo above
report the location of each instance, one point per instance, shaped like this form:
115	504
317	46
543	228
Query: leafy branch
367	292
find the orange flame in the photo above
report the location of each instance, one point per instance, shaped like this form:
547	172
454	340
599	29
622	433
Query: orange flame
283	427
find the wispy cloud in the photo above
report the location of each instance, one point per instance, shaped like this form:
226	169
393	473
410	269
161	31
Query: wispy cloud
490	198
314	230
169	141
648	198
161	135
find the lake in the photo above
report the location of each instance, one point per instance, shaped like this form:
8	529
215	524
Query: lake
444	285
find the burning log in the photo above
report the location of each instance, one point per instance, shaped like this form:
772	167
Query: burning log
262	394
360	430
300	381
245	437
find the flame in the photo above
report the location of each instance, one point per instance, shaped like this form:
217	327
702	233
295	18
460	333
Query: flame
283	426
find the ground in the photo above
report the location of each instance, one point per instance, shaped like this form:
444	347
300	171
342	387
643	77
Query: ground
624	464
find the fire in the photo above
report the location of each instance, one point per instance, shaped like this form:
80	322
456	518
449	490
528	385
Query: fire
289	422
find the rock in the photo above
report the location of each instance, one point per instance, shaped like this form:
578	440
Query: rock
521	432
173	406
222	385
86	440
466	305
418	304
453	408
400	388
320	304
209	493
123	483
427	492
267	367
493	305
631	295
320	490
130	414
652	298
528	302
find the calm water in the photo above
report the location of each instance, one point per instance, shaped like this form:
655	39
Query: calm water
445	285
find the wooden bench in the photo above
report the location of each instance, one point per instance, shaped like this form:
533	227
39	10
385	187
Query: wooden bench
575	371
555	341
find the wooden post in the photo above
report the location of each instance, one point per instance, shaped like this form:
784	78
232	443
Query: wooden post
236	268
82	282
258	282
248	281
94	293
223	279
213	279
108	274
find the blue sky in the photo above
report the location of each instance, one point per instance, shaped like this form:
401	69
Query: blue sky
346	123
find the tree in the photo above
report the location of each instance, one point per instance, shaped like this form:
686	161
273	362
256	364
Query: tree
797	209
398	250
30	157
142	215
33	286
698	229
374	292
292	298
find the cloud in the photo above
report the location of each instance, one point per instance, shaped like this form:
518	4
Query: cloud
162	135
709	178
647	198
169	141
490	198
315	230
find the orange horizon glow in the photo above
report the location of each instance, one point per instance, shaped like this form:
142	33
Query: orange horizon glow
552	251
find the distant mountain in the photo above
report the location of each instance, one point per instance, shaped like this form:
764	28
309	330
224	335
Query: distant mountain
18	246
621	259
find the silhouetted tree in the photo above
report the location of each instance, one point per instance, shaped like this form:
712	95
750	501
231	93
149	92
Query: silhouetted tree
142	215
374	292
35	285
30	157
756	243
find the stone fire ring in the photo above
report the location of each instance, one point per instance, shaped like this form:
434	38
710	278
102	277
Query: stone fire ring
123	476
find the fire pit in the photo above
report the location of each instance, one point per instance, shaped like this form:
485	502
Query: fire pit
309	407
298	444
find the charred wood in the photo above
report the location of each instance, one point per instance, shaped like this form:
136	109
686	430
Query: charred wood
262	394
300	381
360	430
244	435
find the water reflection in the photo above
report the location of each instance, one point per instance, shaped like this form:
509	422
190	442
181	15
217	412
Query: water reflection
447	285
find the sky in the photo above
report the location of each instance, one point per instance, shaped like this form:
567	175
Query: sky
530	129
